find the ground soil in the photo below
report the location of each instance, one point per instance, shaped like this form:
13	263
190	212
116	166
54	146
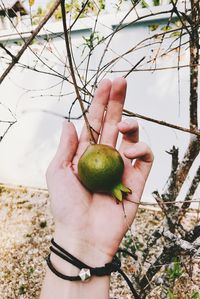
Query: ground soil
26	227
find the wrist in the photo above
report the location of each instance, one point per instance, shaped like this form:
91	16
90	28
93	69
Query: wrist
81	247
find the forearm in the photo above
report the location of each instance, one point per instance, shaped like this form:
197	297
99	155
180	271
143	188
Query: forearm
54	287
95	287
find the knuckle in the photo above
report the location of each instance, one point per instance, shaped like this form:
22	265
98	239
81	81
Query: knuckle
151	155
144	147
133	123
146	150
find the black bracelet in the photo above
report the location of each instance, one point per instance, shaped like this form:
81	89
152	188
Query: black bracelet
86	271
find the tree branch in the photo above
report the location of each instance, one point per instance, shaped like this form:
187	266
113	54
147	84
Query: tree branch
165	257
188	198
16	58
161	122
184	245
194	60
92	140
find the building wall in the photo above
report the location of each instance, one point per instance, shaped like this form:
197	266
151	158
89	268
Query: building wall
31	143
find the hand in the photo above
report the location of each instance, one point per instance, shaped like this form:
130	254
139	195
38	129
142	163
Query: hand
94	224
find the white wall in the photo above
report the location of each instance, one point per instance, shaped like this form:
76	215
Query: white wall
30	144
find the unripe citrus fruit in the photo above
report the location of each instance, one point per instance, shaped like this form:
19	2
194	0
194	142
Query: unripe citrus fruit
100	169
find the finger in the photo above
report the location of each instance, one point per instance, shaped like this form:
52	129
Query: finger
96	111
143	158
67	146
114	112
130	131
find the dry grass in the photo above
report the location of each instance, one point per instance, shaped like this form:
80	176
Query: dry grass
26	228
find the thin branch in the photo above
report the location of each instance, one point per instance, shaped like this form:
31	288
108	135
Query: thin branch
110	36
16	58
53	113
7	121
6	50
151	241
194	60
165	257
10	111
188	199
180	18
92	140
193	234
170	250
184	245
6	131
134	67
162	204
162	123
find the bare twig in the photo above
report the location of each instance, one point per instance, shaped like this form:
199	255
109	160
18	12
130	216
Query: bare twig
6	50
6	131
194	60
184	245
166	257
134	67
92	140
188	199
161	122
16	58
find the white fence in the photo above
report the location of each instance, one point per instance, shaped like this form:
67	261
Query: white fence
163	94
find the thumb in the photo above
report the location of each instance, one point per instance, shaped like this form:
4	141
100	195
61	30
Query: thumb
68	144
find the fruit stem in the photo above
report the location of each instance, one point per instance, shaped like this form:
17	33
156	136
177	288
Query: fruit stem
89	129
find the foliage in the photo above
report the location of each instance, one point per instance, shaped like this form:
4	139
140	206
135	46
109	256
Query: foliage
31	2
174	270
129	245
73	7
144	4
195	295
156	2
38	15
91	41
170	295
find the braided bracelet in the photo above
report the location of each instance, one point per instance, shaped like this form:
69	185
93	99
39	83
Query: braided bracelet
86	271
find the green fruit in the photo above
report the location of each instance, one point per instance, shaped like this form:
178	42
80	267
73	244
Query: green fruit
100	169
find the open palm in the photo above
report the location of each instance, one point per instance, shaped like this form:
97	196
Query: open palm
91	218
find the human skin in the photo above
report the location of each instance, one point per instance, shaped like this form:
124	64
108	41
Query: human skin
89	225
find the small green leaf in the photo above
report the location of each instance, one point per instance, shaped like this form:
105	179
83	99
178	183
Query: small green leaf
156	2
31	2
195	295
102	4
170	295
124	188
43	224
166	28
119	190
178	23
175	34
153	27
144	4
116	193
22	289
174	270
